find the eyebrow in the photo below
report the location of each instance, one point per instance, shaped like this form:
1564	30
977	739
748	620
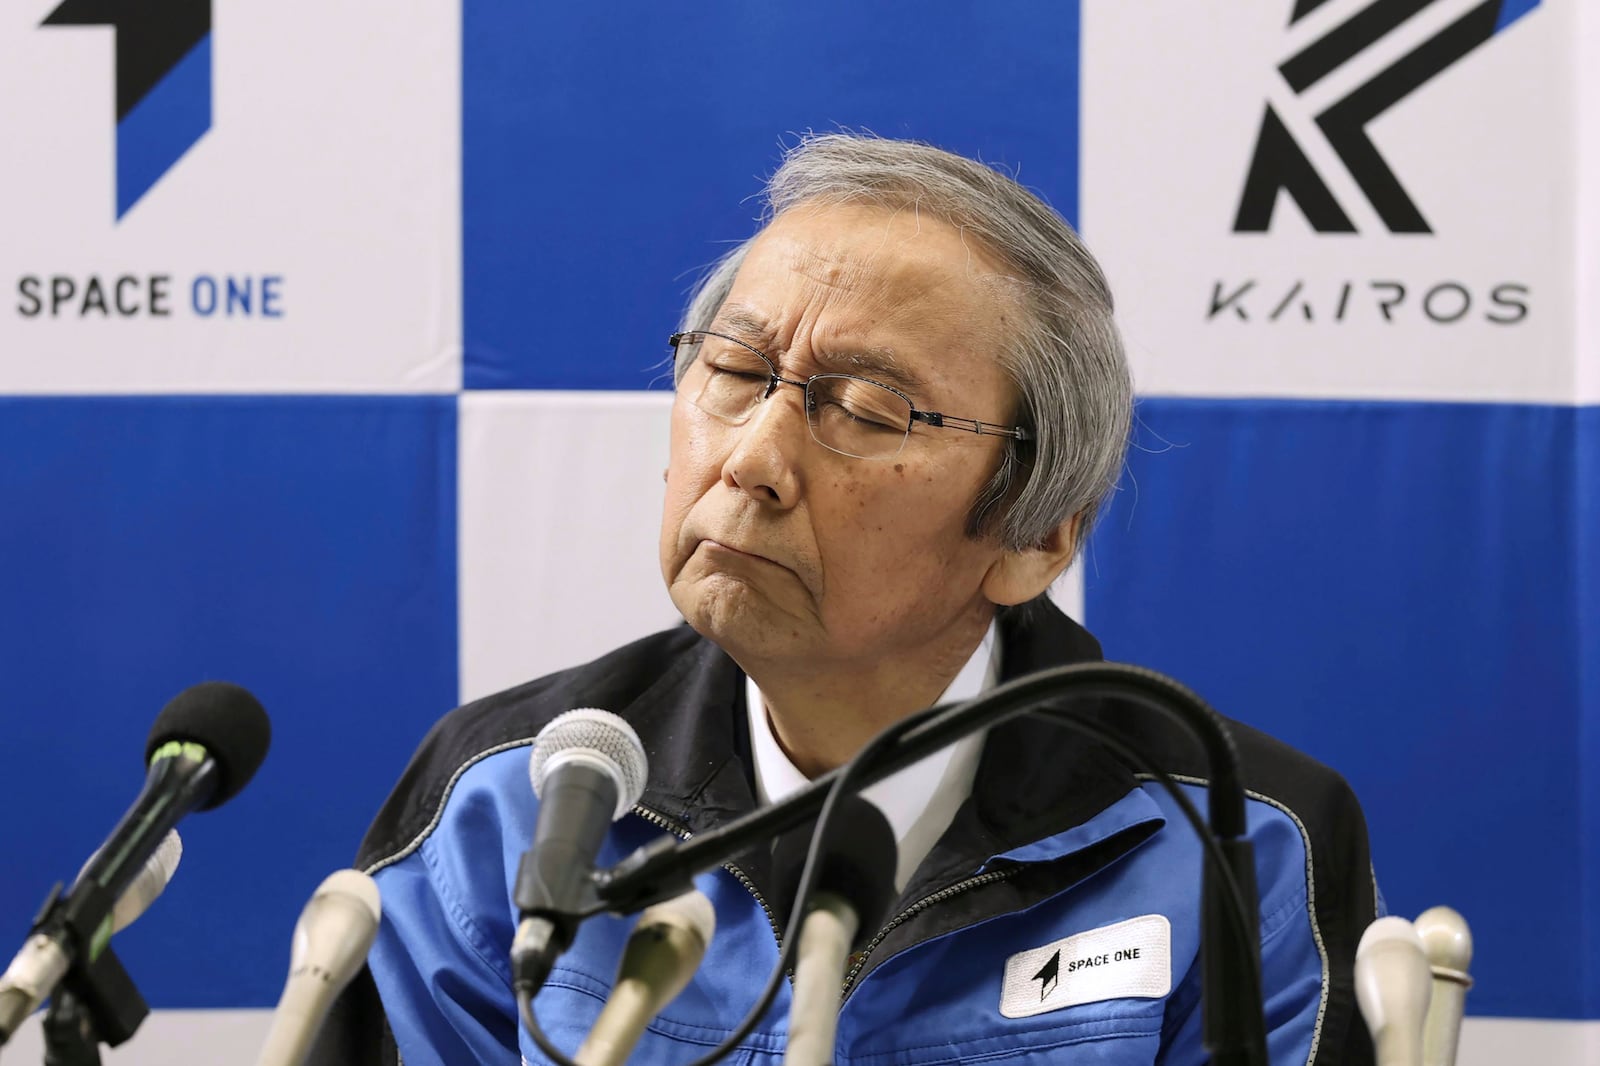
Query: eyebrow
879	364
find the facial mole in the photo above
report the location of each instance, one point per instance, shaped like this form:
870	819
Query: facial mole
899	468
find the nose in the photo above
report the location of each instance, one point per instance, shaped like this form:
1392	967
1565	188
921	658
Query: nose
766	456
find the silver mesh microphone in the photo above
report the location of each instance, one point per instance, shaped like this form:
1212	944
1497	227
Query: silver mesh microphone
588	769
591	737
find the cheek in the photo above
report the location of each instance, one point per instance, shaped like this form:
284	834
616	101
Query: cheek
898	523
895	565
694	446
691	471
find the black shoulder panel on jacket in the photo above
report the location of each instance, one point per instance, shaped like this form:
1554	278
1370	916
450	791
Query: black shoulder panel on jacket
611	682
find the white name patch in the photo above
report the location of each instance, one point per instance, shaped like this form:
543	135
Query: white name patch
1132	959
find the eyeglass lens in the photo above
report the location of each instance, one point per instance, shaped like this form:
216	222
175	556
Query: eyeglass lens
848	414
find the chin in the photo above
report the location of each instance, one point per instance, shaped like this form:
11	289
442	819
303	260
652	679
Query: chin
734	616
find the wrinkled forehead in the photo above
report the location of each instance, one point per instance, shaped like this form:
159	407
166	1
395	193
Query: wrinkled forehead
897	240
890	267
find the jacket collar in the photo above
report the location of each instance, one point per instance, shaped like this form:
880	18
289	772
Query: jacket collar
1036	782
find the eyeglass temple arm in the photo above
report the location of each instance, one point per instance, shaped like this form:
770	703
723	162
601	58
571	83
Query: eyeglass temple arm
971	425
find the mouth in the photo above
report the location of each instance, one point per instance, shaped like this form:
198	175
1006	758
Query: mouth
717	547
724	557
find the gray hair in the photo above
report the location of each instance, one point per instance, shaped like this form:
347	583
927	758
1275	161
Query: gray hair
1066	361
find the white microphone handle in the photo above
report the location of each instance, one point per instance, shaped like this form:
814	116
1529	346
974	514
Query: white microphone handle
152	879
629	1008
662	954
29	980
1394	1046
822	955
331	941
1393	988
1442	1035
42	963
290	1038
1447	941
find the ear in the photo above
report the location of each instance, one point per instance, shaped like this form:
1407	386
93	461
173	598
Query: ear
1018	576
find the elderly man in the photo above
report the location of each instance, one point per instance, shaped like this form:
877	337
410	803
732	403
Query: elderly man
897	409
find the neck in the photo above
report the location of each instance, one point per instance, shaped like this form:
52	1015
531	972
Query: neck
822	715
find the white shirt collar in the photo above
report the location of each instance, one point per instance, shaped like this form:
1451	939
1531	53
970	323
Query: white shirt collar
919	801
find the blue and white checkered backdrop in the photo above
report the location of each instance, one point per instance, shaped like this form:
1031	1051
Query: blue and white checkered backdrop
331	355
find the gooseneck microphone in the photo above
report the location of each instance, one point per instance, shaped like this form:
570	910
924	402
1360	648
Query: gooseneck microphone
331	940
588	769
204	747
1233	1023
663	952
855	885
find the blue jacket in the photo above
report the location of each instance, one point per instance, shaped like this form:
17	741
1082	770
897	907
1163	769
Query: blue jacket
1055	921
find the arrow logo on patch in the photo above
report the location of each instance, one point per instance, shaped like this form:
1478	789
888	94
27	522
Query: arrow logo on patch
1049	975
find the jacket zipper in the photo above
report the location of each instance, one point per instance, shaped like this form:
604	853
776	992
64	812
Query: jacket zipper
682	832
860	958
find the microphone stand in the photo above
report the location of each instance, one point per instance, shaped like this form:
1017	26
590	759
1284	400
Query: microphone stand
69	1034
1233	1022
96	1002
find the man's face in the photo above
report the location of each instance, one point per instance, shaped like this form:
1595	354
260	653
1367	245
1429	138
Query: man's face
774	546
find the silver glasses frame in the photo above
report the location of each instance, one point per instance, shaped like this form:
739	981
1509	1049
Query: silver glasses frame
937	419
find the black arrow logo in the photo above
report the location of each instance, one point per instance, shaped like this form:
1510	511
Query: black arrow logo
152	36
1049	975
163	80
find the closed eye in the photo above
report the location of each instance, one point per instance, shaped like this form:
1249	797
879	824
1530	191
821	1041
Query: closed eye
743	373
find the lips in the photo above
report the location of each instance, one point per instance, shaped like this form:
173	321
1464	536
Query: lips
731	550
717	544
730	553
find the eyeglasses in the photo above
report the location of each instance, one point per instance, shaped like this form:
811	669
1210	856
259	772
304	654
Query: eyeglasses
851	415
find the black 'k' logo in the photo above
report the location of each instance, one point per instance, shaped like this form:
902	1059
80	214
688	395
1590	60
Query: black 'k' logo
1049	975
1279	163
